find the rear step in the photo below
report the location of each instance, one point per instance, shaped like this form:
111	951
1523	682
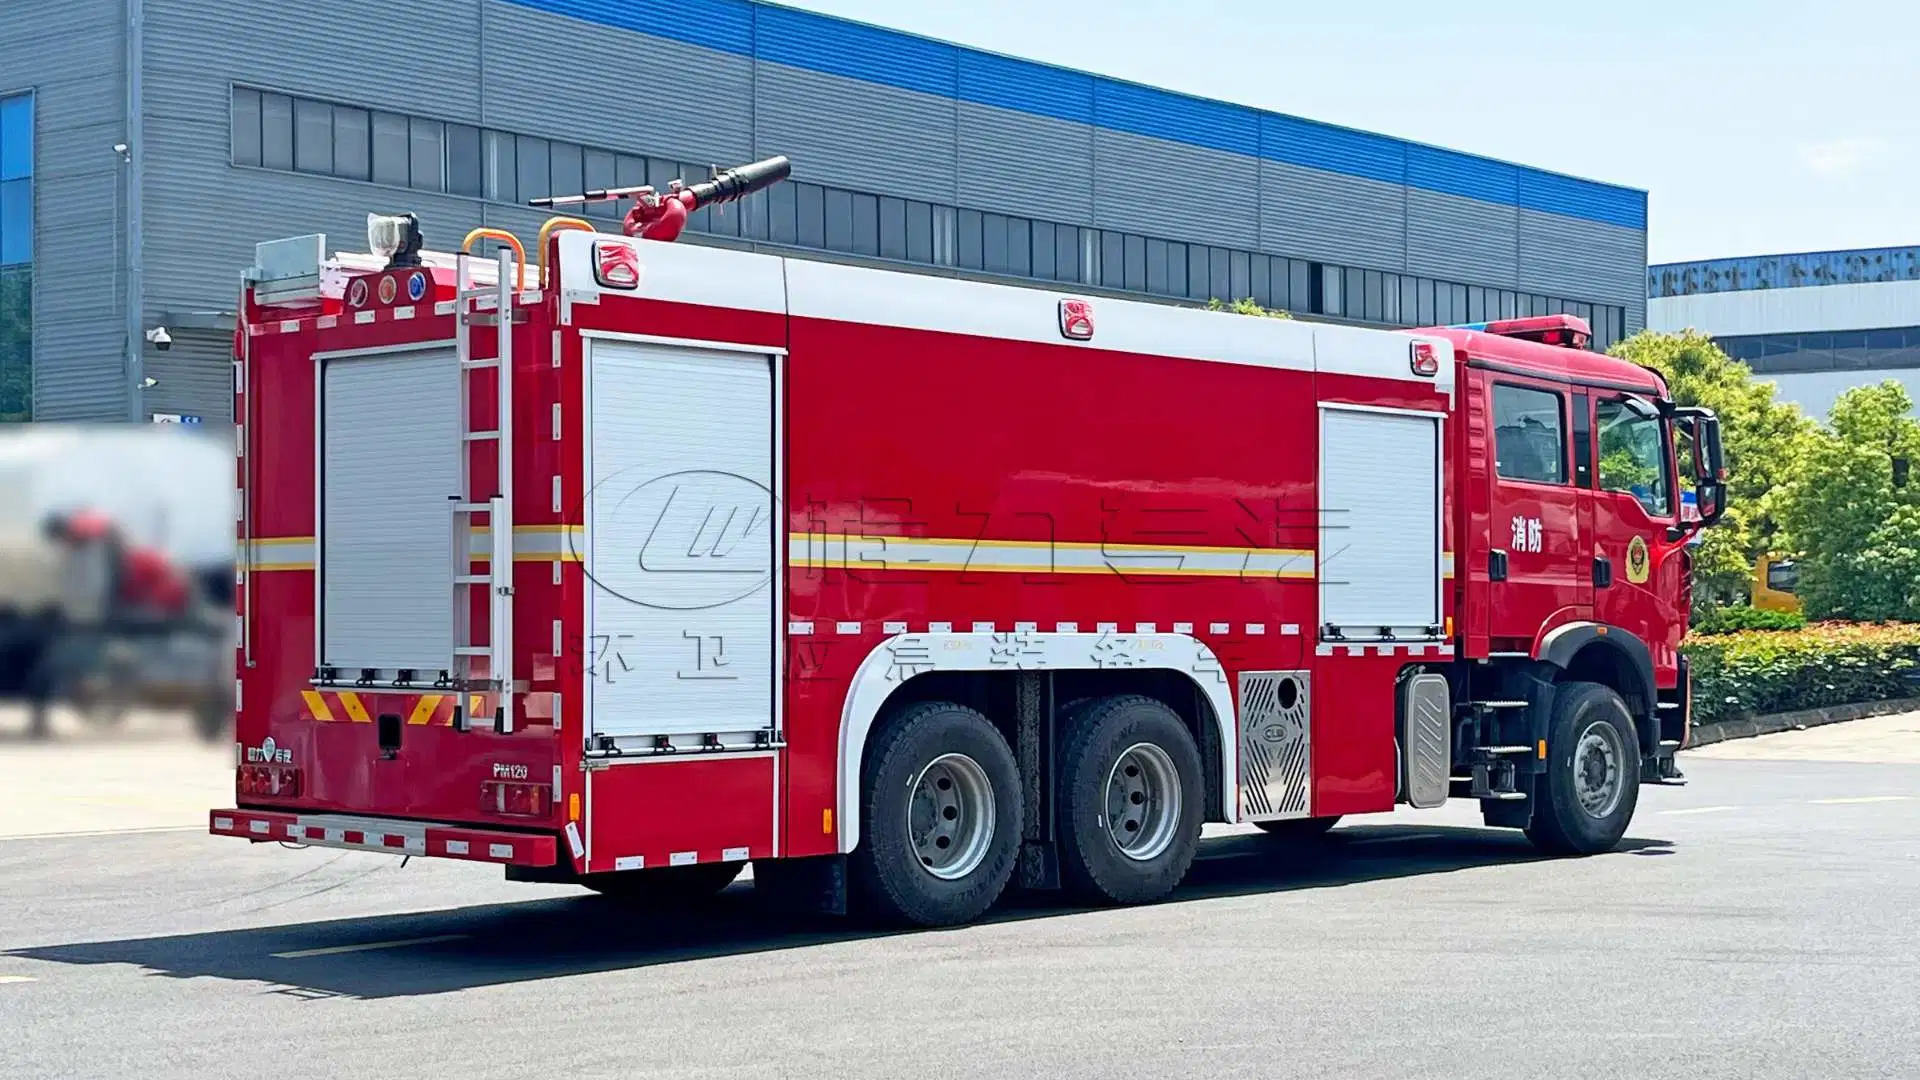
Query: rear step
387	835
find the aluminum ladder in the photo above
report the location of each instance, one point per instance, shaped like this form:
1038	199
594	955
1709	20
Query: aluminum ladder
484	667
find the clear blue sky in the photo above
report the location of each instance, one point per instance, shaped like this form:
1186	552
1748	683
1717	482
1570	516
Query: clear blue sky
1759	127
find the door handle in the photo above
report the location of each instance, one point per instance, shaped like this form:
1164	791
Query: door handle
1602	571
1496	566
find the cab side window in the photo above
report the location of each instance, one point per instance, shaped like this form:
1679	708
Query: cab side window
1529	435
1633	456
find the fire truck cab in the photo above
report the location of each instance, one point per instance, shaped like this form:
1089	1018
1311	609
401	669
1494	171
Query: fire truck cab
628	563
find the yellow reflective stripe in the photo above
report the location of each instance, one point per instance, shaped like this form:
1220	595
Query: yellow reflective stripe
423	709
355	711
317	705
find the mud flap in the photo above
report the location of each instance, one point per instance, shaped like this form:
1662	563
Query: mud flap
814	886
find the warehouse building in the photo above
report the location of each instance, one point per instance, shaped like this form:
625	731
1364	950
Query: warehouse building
1816	324
257	121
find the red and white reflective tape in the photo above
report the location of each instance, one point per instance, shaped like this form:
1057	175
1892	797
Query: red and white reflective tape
389	837
375	315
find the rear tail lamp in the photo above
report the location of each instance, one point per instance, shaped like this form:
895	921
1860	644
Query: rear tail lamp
269	781
514	799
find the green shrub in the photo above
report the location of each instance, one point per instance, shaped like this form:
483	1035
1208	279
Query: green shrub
1738	617
1748	672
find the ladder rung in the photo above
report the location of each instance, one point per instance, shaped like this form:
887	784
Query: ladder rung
1669	704
471	508
1499	704
475	365
474	579
481	436
1504	796
1504	749
473	650
1669	744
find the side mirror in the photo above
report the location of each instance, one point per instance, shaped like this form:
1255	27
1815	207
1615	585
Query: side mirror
1709	463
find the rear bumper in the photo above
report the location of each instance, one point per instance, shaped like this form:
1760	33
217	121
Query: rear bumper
387	835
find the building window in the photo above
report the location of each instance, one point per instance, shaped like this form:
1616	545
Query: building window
16	258
289	133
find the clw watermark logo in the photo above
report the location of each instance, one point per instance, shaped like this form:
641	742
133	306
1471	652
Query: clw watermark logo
685	541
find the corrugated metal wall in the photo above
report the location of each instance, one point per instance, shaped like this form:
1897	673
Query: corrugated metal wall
855	107
192	377
72	53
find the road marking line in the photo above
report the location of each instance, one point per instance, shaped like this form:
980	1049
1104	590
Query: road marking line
1861	799
1697	810
6	980
336	950
1395	839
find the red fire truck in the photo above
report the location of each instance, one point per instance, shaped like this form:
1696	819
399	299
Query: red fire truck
627	563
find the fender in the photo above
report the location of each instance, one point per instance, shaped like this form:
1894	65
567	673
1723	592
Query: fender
894	661
1559	645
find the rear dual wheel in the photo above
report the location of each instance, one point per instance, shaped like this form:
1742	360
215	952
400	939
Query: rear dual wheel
941	812
1130	800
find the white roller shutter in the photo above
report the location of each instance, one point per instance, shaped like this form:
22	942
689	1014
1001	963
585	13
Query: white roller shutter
1380	522
390	437
681	528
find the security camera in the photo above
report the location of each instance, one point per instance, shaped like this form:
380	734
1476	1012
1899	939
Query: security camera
159	338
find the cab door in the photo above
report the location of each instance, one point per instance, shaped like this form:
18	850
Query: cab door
1638	566
1537	570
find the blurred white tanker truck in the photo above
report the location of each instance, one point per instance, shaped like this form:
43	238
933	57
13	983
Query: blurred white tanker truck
116	571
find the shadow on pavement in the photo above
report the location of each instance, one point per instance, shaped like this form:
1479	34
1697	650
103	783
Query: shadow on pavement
509	943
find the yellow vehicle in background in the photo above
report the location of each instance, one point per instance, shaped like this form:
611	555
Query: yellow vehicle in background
1775	581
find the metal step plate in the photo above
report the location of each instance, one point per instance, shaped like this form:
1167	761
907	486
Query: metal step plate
1276	745
1426	713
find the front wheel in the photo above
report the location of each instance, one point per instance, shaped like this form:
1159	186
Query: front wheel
1130	800
1586	798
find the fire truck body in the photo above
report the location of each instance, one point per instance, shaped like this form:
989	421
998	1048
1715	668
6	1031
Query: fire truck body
945	583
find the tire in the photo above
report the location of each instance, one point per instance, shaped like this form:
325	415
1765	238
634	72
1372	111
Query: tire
1300	830
1131	798
667	886
1586	798
941	815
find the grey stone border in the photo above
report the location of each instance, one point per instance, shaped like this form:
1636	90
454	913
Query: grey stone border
1721	731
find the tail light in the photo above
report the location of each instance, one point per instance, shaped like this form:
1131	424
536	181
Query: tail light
514	799
268	781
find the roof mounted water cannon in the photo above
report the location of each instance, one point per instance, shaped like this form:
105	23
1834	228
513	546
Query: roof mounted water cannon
661	215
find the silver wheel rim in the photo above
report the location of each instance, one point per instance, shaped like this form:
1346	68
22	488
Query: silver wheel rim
950	816
1143	802
1597	776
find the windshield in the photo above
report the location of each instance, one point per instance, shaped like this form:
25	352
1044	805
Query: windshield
1633	458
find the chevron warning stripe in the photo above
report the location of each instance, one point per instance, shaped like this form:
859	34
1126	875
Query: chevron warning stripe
346	706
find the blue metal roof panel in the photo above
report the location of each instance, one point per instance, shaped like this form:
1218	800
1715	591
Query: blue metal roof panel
1452	173
1314	145
1161	114
1023	86
1553	193
874	54
833	46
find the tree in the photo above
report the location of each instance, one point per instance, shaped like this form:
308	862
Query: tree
1849	513
1246	306
1762	438
16	344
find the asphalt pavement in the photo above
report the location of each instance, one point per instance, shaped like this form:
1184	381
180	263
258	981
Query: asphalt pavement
1760	922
